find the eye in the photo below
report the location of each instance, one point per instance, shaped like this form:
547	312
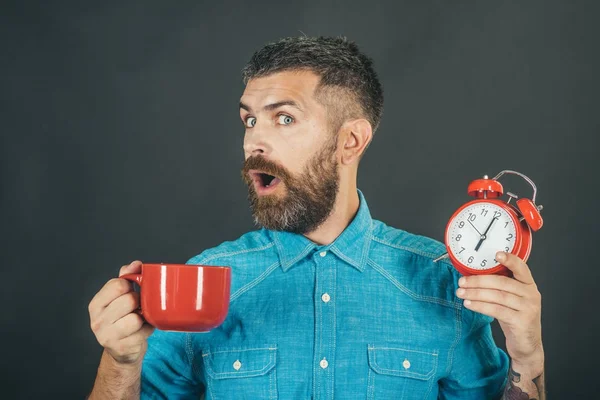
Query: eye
250	122
285	119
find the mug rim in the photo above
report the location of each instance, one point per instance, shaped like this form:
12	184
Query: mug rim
186	265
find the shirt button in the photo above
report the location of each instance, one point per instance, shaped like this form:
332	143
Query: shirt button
323	253
325	297
237	365
406	364
323	363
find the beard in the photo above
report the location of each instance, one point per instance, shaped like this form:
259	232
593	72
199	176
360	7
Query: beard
308	199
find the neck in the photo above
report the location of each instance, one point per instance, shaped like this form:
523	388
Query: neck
345	208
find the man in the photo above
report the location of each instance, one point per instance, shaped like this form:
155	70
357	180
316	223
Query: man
325	301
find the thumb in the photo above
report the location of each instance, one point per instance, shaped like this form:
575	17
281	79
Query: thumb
133	268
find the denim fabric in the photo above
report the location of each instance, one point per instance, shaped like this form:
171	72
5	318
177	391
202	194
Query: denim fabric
370	316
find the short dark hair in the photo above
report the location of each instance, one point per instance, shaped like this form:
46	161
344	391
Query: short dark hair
338	62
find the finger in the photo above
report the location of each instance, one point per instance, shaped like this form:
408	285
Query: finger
492	296
109	292
142	334
127	326
520	270
120	307
501	313
133	343
134	268
497	282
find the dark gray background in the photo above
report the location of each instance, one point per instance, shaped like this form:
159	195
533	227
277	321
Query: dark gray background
121	140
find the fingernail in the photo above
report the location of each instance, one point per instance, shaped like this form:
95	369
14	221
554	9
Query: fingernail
500	256
462	281
460	291
467	302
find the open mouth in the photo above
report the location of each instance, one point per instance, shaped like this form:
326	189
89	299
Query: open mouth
263	182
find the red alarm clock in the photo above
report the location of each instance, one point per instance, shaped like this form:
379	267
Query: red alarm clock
486	225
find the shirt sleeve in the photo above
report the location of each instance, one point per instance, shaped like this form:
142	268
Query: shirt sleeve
167	371
479	368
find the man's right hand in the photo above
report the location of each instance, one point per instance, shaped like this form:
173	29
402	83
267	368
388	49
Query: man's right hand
118	328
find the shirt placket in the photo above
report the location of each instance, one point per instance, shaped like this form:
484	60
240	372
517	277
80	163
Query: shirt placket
324	298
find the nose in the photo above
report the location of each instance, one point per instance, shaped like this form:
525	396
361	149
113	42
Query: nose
256	143
254	150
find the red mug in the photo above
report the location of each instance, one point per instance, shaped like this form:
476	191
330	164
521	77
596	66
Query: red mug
183	297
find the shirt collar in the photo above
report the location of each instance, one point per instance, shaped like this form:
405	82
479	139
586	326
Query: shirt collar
352	245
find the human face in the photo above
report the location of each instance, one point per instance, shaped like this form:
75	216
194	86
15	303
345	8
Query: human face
290	154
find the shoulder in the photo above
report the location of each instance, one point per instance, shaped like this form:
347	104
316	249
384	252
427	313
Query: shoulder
409	259
254	243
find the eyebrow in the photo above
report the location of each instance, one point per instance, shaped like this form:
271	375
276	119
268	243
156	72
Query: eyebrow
273	106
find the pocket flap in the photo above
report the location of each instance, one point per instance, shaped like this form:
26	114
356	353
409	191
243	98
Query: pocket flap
397	361
239	362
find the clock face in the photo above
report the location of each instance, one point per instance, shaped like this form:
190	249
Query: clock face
477	232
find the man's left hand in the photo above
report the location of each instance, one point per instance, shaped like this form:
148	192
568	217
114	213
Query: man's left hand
516	304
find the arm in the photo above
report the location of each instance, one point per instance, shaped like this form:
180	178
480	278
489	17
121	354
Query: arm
123	334
116	381
517	305
524	385
478	367
170	368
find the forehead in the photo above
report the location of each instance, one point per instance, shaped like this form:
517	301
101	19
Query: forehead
288	85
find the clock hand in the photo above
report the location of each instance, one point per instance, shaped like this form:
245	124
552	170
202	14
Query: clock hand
477	230
483	237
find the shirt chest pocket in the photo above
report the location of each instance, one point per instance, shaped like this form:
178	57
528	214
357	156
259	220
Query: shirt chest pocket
241	373
399	373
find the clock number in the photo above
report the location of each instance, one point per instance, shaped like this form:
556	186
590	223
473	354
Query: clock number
458	237
506	224
483	263
497	214
472	217
471	259
461	224
463	249
484	212
506	249
510	236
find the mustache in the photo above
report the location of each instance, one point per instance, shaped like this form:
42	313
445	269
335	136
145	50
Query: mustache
268	167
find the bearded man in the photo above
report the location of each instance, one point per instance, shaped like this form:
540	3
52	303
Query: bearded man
326	302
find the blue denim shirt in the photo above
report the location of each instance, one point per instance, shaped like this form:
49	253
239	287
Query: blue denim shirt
367	316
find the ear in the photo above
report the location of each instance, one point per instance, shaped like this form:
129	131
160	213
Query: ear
355	136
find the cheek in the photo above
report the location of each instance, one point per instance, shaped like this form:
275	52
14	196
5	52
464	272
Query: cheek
291	151
305	155
293	159
309	143
246	146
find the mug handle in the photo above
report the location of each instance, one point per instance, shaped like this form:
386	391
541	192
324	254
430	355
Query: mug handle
137	278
